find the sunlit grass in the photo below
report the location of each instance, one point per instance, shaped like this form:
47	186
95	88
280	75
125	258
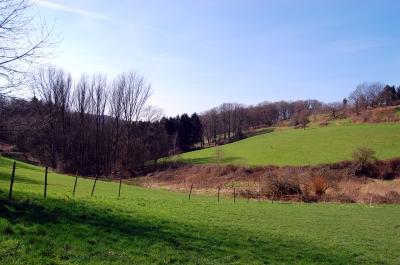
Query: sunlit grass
147	226
312	146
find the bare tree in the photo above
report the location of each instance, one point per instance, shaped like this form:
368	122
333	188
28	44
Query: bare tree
240	114
211	124
205	118
98	106
82	105
53	88
135	92
334	108
151	140
219	155
366	95
24	43
225	111
283	108
269	113
115	105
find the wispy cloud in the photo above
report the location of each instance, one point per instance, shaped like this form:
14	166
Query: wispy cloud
93	15
98	16
352	46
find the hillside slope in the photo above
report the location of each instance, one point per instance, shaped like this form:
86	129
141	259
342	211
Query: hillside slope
146	226
306	147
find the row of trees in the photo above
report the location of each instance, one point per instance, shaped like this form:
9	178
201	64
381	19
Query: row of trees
226	123
91	126
372	95
96	126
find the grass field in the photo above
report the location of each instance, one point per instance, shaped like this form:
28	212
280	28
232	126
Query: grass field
146	226
315	145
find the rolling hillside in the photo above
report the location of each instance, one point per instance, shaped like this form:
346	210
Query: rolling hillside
147	226
312	146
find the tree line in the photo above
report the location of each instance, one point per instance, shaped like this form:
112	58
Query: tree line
92	126
96	126
226	123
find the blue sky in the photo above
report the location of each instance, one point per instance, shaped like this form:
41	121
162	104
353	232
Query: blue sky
200	54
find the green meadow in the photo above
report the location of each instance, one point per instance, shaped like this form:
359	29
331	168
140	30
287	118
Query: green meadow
315	145
146	226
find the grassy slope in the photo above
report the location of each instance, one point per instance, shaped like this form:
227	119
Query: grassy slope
312	146
156	227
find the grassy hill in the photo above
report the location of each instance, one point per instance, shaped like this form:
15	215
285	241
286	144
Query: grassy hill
315	145
147	226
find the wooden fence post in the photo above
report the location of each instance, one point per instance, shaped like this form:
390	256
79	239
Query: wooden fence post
190	193
119	191
76	180
45	183
234	195
12	181
94	185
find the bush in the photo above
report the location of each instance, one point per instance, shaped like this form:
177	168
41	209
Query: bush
317	185
363	157
390	197
284	186
393	197
383	170
309	198
380	113
344	198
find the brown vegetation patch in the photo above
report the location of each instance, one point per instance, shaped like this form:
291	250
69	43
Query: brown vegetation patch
337	182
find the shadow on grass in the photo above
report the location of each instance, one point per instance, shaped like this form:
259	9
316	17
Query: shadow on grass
20	179
263	131
91	231
211	160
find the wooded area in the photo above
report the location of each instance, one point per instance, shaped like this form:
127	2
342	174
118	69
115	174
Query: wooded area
96	126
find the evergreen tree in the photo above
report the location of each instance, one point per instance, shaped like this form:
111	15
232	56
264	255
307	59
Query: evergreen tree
185	130
197	133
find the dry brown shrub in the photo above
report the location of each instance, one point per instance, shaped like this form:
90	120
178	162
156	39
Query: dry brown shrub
381	187
317	180
284	186
395	164
382	170
339	197
363	117
345	164
247	193
335	166
317	184
379	113
231	168
392	197
310	198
